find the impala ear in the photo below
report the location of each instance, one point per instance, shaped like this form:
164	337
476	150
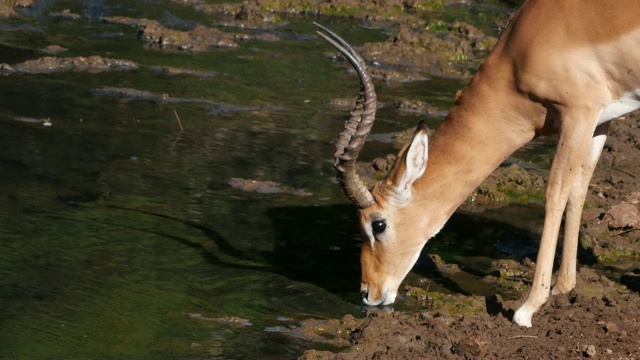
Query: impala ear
411	163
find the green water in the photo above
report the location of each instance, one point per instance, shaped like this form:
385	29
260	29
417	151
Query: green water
116	224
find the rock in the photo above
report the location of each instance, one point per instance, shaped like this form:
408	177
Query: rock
232	321
334	332
590	351
265	187
507	268
6	10
633	198
623	216
435	261
470	347
200	38
54	49
382	166
611	327
67	14
50	64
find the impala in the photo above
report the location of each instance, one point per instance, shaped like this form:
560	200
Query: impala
561	67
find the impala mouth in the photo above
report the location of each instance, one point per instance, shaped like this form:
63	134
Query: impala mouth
387	298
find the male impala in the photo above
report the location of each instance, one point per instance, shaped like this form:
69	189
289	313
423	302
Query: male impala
563	67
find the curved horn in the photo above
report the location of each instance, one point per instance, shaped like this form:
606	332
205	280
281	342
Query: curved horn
357	128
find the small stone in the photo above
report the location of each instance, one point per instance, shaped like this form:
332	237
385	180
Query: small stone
623	216
470	347
590	351
611	327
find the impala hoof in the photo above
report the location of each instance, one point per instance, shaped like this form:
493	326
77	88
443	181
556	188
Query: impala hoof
523	316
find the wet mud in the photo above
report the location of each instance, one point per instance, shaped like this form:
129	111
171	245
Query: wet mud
50	64
200	38
265	187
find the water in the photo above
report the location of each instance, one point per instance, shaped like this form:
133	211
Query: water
116	224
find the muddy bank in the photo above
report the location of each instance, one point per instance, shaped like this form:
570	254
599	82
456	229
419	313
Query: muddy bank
415	49
89	64
10	8
50	64
200	38
597	320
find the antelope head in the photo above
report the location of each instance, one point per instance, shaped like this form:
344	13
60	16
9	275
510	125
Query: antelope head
391	224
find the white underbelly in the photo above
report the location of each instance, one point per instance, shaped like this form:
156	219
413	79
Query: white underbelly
627	103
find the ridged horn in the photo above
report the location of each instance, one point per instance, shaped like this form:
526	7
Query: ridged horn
356	129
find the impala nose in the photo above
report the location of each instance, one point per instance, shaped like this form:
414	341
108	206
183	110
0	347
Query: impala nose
385	298
367	300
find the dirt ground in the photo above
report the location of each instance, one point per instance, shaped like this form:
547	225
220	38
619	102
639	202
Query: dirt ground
599	319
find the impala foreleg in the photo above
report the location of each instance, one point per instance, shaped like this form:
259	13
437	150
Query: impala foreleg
575	134
567	274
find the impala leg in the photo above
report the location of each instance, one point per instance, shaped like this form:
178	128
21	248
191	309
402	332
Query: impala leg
567	273
575	134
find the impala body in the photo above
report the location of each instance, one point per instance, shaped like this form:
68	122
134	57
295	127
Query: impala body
561	67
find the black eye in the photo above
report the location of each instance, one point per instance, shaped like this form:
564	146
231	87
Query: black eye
379	226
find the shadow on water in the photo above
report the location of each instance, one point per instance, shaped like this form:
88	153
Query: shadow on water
318	245
209	256
473	242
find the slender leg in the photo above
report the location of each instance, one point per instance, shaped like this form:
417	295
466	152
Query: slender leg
577	129
567	274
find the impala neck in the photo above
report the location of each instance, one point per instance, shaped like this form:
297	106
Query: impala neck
489	121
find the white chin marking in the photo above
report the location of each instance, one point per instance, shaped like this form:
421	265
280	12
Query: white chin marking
390	298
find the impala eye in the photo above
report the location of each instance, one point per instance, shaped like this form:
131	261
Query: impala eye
379	226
